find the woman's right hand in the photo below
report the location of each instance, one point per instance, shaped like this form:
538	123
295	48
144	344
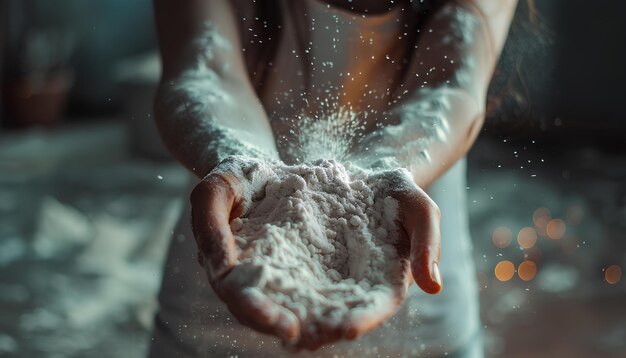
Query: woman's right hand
215	201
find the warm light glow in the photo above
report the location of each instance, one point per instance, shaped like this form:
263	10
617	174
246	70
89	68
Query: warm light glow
556	229
527	270
575	215
541	217
502	237
613	274
504	270
527	237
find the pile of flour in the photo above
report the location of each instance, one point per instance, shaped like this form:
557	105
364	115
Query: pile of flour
318	238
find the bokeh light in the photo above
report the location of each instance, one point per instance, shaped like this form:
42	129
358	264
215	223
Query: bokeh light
504	270
502	237
527	270
527	237
575	215
613	274
541	217
555	229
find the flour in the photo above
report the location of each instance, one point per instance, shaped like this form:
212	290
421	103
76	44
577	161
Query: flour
329	134
318	238
423	122
196	108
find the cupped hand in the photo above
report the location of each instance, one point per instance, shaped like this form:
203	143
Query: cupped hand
216	200
419	218
419	241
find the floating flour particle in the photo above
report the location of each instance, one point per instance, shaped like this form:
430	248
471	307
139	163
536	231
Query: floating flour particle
321	239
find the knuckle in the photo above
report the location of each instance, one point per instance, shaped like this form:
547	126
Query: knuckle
434	208
224	181
210	183
427	205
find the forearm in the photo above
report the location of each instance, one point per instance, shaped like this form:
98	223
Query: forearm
202	121
440	107
205	107
434	132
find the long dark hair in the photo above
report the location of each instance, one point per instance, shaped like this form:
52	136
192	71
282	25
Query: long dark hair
516	83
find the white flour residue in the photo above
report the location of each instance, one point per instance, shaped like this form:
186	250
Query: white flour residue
423	122
318	239
462	33
189	101
201	84
462	27
211	41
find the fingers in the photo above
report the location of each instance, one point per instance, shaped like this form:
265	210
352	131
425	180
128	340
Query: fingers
254	309
312	336
361	322
316	334
420	218
351	326
212	202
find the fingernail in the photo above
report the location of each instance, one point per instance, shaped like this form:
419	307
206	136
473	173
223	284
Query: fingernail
436	274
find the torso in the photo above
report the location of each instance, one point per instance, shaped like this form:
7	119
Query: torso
330	53
329	58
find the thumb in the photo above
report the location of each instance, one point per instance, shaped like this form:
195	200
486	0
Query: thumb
212	202
420	217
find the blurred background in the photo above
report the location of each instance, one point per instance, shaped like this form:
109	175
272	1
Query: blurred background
89	197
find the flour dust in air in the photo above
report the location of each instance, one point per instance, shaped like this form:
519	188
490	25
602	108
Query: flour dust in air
329	134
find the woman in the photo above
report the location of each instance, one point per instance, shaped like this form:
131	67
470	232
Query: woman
416	73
